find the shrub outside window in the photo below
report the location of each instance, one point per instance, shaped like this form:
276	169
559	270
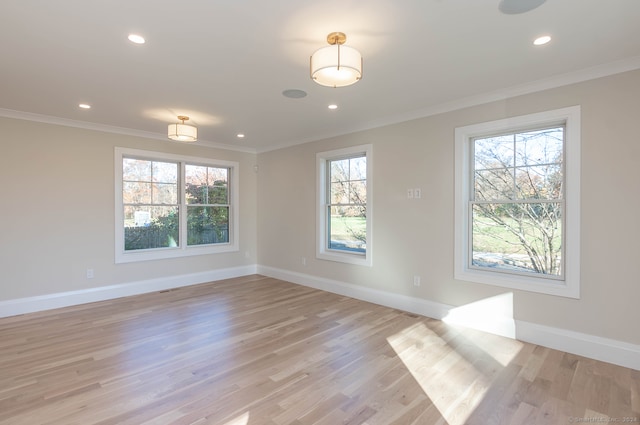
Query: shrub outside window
207	198
150	203
171	206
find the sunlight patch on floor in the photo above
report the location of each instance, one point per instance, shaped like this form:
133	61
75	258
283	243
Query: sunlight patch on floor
240	420
453	369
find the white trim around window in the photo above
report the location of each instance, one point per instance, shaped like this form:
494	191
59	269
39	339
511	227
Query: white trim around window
182	250
569	286
323	251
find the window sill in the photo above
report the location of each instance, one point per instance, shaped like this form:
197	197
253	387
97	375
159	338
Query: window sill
166	253
567	288
358	259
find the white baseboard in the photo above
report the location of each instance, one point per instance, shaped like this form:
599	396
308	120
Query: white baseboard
591	346
388	299
594	347
70	298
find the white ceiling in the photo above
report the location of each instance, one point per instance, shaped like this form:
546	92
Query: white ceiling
225	63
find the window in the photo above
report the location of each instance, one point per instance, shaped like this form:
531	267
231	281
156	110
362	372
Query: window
517	202
344	205
171	206
207	195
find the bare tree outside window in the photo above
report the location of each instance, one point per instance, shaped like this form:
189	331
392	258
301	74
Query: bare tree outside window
347	208
517	202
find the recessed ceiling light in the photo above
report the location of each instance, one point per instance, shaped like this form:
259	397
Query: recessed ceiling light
542	40
84	106
135	38
240	136
333	106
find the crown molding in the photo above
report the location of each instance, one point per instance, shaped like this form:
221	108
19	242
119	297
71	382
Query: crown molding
85	125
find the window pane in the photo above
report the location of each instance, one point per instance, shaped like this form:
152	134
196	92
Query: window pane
207	225
136	170
137	186
219	193
492	185
165	172
542	182
339	192
348	181
196	194
218	176
348	228
196	175
525	238
358	192
136	193
206	185
358	168
493	152
540	147
164	193
339	170
150	227
206	195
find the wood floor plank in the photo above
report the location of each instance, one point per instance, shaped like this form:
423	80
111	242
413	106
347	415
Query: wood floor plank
260	351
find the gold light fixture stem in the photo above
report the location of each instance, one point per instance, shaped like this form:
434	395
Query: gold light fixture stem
337	38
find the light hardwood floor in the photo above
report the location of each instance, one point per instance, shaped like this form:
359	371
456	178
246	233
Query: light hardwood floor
259	351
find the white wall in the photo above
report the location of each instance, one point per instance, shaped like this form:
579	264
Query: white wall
57	208
415	237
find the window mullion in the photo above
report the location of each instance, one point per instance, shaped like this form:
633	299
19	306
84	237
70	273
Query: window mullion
328	206
514	194
518	201
182	205
471	201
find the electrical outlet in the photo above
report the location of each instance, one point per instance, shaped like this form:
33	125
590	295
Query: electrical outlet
304	261
89	273
409	193
416	281
417	193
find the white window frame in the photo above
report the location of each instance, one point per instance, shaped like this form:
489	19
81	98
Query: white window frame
322	250
122	256
570	285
